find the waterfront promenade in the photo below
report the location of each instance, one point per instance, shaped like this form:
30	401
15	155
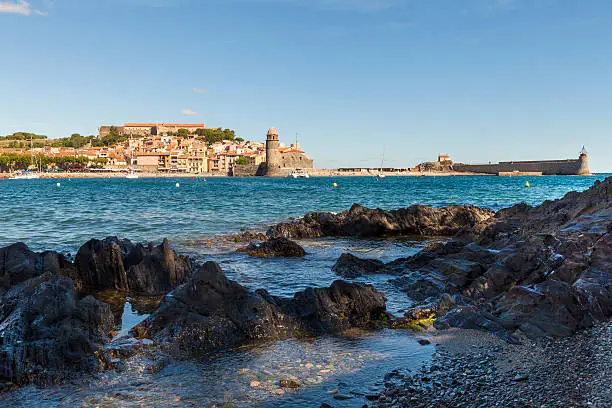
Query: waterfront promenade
312	173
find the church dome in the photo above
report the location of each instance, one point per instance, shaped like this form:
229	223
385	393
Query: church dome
272	132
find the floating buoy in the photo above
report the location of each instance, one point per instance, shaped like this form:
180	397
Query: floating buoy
58	184
177	185
334	185
527	184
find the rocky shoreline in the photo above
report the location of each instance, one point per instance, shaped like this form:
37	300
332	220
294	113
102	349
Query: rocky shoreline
474	369
525	274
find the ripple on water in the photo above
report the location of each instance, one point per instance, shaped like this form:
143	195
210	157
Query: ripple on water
150	209
248	376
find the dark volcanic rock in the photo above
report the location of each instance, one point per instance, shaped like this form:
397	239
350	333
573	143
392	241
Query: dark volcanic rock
46	332
275	247
18	264
210	311
341	306
118	264
349	266
544	270
365	222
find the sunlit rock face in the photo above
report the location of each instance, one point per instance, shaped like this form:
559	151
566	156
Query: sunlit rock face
544	270
360	221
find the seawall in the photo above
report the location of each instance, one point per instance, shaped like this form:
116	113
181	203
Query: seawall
546	167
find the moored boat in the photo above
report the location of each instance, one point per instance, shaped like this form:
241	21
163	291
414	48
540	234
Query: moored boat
299	173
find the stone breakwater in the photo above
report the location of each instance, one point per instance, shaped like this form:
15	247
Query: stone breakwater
524	272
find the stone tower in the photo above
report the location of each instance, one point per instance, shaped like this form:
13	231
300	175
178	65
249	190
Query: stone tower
273	157
583	161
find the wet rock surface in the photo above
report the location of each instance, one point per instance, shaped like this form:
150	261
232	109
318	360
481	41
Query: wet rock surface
472	369
118	264
46	331
360	221
350	267
274	247
210	311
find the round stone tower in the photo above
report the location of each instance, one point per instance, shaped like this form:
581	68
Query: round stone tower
583	161
273	157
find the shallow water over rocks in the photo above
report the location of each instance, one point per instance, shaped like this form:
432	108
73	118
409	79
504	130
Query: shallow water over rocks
351	366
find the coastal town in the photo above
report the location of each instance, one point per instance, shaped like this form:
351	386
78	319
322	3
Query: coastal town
152	148
190	149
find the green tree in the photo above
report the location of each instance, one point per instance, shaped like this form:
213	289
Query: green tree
242	161
239	139
182	132
213	135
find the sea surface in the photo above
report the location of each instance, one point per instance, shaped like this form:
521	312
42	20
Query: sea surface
50	217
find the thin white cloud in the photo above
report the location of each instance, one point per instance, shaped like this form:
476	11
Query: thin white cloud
189	112
19	7
199	91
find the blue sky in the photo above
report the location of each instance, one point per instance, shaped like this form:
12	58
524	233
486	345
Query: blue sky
482	80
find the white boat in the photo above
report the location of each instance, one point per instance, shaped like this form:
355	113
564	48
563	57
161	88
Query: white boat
131	174
299	173
380	172
26	176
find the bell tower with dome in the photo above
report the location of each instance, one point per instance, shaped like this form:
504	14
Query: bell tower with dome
273	156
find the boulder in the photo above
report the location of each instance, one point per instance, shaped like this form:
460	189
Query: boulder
117	264
18	264
275	247
350	267
341	306
210	311
47	332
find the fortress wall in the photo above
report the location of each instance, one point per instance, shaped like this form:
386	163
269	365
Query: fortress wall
549	167
245	170
296	161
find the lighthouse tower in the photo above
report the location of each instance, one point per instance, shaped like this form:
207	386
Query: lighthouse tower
273	157
583	161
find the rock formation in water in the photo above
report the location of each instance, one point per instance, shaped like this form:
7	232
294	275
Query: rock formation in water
46	331
350	267
117	264
365	222
545	270
210	311
274	247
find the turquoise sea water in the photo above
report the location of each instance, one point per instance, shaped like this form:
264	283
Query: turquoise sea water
48	217
62	218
